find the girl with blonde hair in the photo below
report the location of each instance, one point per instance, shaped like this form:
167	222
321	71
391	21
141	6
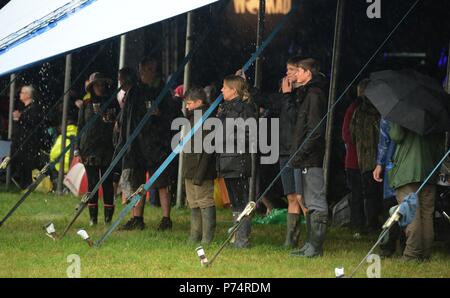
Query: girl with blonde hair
235	167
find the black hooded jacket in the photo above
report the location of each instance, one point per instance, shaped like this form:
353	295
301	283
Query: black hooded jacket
312	107
284	107
130	117
25	144
236	164
95	145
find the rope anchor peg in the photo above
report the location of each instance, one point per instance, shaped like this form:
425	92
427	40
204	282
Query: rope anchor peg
247	211
84	200
45	169
5	163
393	218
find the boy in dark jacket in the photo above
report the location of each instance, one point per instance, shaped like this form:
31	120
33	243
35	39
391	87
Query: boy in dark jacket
199	173
284	106
312	107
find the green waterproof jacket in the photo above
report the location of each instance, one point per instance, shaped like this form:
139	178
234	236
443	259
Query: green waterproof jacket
415	157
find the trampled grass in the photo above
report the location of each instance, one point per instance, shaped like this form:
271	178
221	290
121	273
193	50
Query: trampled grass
25	250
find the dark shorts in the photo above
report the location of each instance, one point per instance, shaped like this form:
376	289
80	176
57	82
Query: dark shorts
163	179
291	178
132	179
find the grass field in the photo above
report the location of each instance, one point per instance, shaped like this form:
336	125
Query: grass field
25	251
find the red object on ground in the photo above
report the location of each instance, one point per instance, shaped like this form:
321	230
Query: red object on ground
76	179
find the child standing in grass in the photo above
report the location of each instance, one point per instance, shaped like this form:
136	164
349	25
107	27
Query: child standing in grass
199	173
235	167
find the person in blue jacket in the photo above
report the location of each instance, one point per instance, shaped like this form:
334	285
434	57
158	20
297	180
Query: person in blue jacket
385	154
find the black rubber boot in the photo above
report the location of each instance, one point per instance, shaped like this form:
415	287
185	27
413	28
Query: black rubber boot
293	231
196	225
299	252
109	213
208	224
243	234
319	221
93	214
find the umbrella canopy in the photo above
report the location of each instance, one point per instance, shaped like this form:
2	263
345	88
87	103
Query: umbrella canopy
410	99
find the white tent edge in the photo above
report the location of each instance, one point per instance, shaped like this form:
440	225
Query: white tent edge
36	50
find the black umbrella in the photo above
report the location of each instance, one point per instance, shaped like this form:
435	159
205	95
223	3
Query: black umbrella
410	99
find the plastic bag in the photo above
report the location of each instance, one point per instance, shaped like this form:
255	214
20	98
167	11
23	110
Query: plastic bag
221	194
276	217
217	194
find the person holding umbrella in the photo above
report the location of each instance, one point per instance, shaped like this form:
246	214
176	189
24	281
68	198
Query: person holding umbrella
418	111
414	159
386	150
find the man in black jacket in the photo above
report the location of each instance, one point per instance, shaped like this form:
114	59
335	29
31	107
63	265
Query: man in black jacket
312	107
25	144
152	146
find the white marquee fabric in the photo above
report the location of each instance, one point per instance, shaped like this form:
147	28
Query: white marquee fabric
98	21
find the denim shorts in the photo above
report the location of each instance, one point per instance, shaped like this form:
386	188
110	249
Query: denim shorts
291	178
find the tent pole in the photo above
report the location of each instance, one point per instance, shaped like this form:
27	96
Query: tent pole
12	91
333	88
447	87
67	82
258	80
174	45
166	50
186	85
123	51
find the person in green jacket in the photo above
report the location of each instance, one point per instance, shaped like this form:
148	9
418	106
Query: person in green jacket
414	159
